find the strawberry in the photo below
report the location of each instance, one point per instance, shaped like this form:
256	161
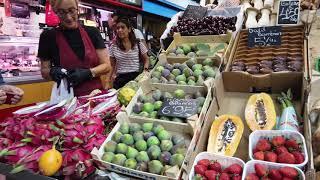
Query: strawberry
211	174
259	155
298	156
234	169
270	156
291	144
215	165
263	145
275	174
252	176
261	171
281	149
278	141
236	177
204	162
224	176
255	150
200	169
287	158
289	172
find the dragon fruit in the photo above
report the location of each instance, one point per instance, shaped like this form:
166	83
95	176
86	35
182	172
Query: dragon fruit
94	141
77	164
16	127
30	161
94	125
15	152
4	143
74	136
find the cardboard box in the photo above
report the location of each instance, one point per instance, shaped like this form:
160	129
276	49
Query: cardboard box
187	132
274	82
213	40
193	121
231	102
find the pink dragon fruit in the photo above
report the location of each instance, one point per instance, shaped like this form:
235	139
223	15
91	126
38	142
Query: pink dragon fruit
74	136
15	152
16	127
4	143
30	161
94	125
94	141
77	164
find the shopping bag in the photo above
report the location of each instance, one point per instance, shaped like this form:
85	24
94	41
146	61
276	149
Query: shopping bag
61	93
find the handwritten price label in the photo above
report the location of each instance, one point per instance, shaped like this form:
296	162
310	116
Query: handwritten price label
289	12
264	36
182	108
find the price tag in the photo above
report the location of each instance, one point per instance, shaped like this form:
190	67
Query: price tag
195	12
182	108
264	36
288	12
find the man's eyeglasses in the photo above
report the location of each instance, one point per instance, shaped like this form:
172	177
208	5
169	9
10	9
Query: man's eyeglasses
63	13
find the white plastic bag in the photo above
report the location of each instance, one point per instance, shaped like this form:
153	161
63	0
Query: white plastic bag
61	93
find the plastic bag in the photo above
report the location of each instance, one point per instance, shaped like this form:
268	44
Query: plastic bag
61	93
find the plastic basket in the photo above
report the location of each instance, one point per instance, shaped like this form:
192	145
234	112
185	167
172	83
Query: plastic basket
256	135
225	161
249	168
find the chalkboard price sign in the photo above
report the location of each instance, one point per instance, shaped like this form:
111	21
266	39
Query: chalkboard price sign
182	108
289	12
264	36
194	12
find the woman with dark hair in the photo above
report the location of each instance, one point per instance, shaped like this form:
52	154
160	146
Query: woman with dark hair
126	54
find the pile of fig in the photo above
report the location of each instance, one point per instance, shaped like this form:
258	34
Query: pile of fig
277	64
205	26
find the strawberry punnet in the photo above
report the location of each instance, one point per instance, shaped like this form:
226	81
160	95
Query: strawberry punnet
263	145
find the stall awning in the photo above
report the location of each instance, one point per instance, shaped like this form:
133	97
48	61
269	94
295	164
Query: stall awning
154	8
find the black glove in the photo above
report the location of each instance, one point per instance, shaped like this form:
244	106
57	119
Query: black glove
57	74
78	76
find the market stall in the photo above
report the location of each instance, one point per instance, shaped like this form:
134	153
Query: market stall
228	98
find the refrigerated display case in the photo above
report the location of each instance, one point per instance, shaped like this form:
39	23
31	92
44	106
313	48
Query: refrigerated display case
18	59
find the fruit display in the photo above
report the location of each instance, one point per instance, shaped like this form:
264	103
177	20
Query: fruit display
263	171
149	104
152	61
189	73
260	113
209	25
277	64
146	147
225	135
212	170
193	50
279	149
27	140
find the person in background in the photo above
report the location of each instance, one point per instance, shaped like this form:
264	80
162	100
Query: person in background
112	24
126	53
5	90
79	50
